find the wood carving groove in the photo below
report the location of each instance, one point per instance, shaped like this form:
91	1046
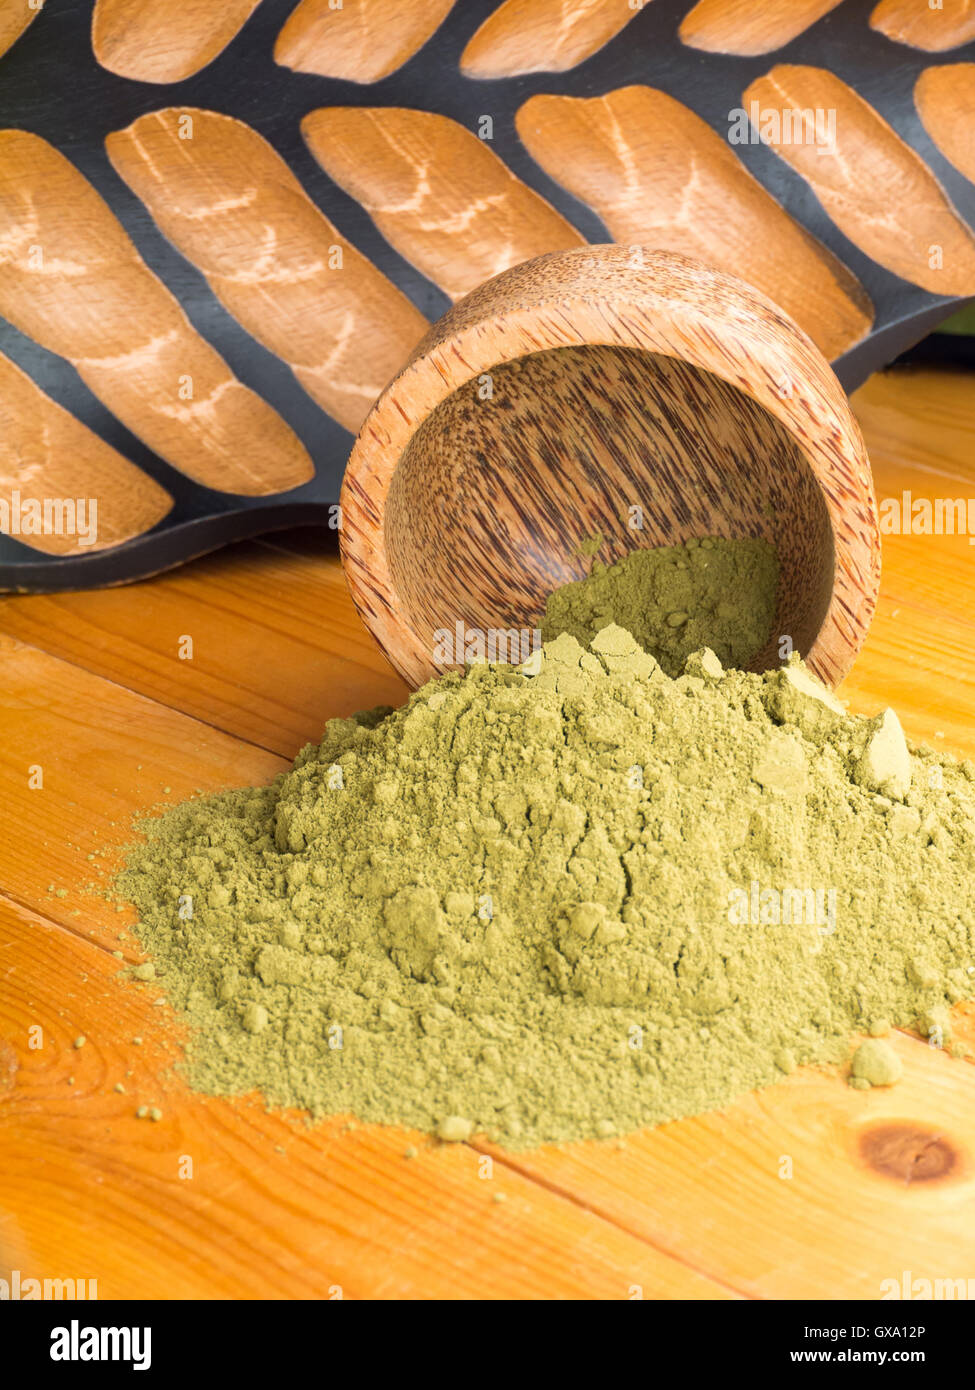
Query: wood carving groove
657	174
877	190
919	24
439	195
164	40
230	196
363	41
743	28
543	36
71	279
45	453
945	101
232	206
15	17
672	385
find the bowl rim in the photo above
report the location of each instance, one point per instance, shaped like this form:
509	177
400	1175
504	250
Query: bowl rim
626	297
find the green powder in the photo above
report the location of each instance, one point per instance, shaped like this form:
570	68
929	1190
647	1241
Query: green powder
676	599
564	900
875	1063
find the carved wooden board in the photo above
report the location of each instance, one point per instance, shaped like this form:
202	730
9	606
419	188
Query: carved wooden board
224	226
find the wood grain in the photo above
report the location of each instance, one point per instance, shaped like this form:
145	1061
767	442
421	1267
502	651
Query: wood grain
164	40
103	755
658	175
918	427
232	206
945	101
439	195
268	1208
46	454
508	480
746	29
877	190
806	1190
543	36
71	278
277	648
881	1181
491	501
935	29
15	17
361	41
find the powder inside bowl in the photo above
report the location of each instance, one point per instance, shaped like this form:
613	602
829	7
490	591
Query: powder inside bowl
564	901
718	593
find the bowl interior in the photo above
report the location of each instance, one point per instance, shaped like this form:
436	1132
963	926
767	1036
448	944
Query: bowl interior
501	483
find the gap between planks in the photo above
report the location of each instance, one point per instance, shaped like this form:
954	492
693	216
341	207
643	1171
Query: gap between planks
441	1172
88	687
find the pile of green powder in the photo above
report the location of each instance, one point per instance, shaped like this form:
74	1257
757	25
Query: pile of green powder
676	599
566	900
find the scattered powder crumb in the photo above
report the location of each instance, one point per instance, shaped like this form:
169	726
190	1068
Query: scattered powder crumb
877	1064
454	1129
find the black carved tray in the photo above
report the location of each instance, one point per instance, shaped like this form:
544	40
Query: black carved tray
52	85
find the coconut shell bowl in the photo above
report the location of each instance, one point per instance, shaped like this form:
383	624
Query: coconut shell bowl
613	391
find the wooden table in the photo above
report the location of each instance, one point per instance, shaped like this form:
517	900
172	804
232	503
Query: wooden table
806	1189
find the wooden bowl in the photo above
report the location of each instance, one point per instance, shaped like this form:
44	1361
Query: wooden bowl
563	394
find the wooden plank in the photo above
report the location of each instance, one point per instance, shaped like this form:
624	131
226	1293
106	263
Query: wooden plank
918	656
277	648
104	754
919	418
880	1181
806	1190
220	1199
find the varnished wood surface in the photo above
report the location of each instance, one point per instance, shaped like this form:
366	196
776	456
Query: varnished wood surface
745	29
94	692
359	40
164	40
945	101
